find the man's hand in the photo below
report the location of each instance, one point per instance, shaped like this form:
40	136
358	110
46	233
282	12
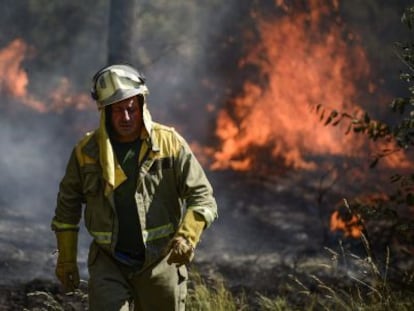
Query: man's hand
182	252
66	267
188	235
68	275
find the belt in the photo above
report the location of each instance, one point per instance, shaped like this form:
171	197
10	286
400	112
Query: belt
129	259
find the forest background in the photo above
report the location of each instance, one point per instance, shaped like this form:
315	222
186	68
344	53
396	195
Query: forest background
251	85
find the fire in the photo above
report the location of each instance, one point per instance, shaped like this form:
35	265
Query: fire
351	228
14	82
11	57
352	223
303	66
14	79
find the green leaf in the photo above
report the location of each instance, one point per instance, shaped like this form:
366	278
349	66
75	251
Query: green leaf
410	198
322	115
374	163
348	130
405	20
366	118
395	178
318	107
332	116
337	122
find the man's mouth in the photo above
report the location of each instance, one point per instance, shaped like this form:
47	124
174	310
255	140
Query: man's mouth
125	125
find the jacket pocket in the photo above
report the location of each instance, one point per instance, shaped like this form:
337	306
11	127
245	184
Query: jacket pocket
91	180
182	287
93	254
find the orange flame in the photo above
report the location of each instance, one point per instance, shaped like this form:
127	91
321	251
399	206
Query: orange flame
351	228
303	67
14	79
10	59
14	82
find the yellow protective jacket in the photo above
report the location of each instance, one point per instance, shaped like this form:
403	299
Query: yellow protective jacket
170	179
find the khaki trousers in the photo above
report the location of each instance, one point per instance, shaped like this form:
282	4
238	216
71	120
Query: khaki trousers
113	286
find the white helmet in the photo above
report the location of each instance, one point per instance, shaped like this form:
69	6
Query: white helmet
117	82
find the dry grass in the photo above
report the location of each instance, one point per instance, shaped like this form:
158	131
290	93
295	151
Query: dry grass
215	296
350	283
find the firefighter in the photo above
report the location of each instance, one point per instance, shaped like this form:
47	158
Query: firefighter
147	201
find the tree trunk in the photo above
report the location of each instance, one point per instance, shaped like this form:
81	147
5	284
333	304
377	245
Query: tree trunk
122	22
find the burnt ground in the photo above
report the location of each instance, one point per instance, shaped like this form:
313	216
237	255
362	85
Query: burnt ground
271	233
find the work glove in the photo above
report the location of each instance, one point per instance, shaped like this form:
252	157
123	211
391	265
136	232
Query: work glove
183	244
66	267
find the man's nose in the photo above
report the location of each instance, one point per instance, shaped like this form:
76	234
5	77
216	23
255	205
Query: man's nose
126	115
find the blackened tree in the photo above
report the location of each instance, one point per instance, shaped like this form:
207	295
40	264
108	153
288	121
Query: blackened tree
122	19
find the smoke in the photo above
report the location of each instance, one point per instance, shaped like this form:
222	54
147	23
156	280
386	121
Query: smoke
176	58
27	165
190	53
43	117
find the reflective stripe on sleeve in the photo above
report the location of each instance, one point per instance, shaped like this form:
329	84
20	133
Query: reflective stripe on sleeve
157	232
209	214
101	237
63	226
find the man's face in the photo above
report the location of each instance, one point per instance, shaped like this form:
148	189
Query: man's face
126	119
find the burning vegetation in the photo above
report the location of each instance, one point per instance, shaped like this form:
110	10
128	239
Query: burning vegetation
301	63
15	83
351	227
299	69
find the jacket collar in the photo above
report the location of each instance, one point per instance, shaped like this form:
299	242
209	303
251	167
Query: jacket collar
91	148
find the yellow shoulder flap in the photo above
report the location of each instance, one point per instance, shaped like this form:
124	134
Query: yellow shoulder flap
167	139
82	157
